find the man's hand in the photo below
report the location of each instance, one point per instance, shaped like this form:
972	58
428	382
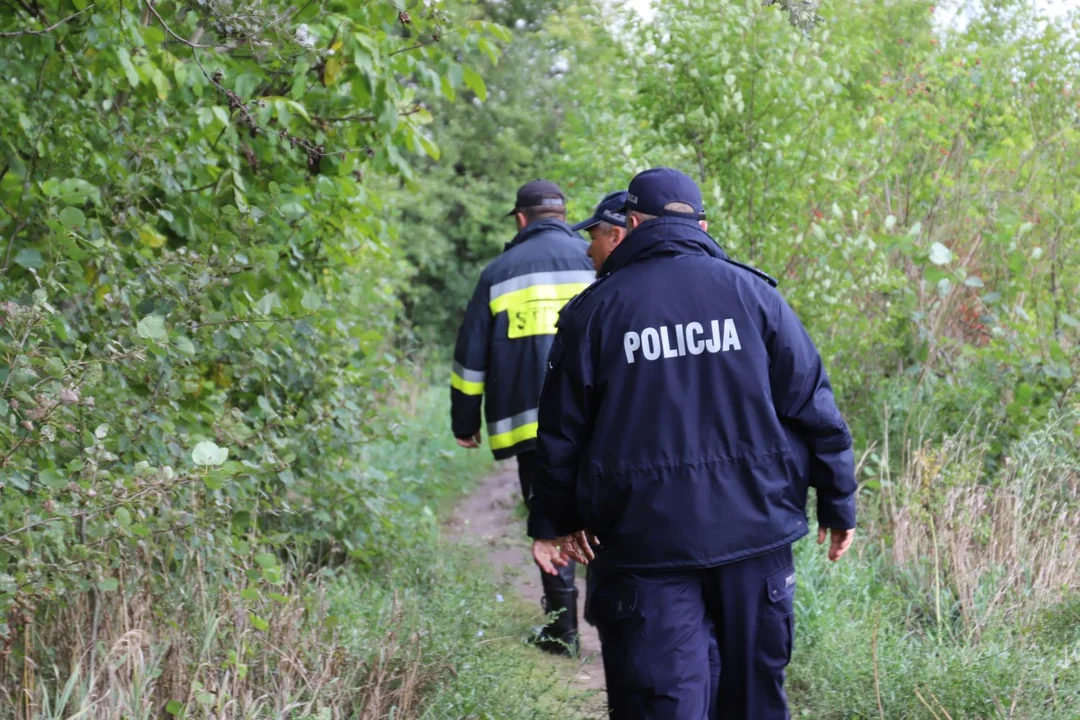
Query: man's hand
469	442
548	557
841	541
577	546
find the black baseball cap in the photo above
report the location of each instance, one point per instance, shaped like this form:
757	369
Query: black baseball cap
610	210
652	189
537	193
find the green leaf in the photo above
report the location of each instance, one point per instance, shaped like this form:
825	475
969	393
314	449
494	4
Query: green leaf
490	49
258	622
475	83
250	594
184	345
101	431
208	454
174	707
221	114
266	560
125	62
123	517
312	300
152	327
429	146
71	217
268	303
108	584
447	88
30	259
1069	320
456	74
974	281
940	255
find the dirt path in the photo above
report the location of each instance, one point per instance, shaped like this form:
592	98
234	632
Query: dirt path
488	516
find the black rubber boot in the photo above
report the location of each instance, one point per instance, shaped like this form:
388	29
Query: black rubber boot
560	637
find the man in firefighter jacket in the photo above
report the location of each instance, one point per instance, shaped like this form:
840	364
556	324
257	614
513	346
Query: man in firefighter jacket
501	358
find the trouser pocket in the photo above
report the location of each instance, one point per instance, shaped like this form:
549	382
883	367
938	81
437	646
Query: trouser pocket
776	623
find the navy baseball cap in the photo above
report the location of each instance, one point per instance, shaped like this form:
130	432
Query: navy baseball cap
610	210
652	189
537	193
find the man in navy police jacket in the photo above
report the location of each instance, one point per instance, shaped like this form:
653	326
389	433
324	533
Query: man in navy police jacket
684	415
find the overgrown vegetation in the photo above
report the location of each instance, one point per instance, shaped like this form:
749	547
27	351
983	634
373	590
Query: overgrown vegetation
216	637
914	186
235	237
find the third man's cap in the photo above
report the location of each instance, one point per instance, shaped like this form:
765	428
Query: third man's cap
652	189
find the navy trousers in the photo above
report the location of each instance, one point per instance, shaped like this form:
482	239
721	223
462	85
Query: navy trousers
663	621
601	610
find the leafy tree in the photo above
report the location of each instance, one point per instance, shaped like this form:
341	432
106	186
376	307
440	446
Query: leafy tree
199	278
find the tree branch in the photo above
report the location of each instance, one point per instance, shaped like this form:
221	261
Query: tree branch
365	118
44	31
239	321
417	46
169	30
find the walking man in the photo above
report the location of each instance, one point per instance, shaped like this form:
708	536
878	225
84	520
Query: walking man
685	414
501	353
606	228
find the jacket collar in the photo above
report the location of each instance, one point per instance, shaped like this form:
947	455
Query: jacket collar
537	228
662	236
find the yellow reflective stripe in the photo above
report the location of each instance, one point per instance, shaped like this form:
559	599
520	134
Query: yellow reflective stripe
533	293
469	388
513	437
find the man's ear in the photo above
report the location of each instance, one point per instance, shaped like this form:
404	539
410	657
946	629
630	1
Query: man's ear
618	234
632	222
521	220
704	225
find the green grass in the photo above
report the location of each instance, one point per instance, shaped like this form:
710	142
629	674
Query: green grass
859	626
414	629
470	638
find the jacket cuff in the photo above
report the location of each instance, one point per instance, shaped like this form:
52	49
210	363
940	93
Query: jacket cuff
538	526
836	513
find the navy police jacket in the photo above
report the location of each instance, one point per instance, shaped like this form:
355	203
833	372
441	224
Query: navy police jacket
504	340
686	411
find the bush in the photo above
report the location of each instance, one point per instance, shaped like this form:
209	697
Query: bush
239	632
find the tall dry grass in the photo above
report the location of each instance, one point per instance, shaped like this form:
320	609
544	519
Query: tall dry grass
214	654
985	542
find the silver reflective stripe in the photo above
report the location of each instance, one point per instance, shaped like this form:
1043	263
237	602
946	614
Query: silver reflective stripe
507	424
468	375
562	277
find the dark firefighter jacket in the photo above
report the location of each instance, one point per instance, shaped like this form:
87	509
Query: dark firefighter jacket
686	411
503	344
